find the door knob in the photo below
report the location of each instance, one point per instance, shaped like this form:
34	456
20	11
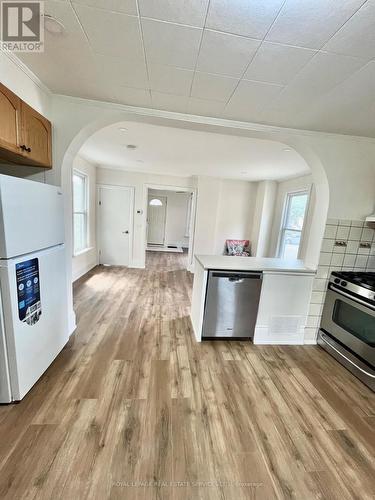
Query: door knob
125	232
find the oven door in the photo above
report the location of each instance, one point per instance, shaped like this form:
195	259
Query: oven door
352	322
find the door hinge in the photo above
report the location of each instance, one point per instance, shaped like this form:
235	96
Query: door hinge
100	202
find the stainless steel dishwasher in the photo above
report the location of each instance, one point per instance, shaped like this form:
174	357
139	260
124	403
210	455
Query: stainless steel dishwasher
231	306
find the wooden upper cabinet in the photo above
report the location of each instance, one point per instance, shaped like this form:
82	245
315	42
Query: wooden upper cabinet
36	136
25	135
10	119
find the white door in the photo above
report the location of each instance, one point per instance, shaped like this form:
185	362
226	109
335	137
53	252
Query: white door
114	216
156	214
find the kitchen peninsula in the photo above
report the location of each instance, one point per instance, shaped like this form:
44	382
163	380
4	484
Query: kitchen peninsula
282	290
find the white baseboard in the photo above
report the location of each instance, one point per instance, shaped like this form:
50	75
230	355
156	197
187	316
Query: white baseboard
310	342
137	264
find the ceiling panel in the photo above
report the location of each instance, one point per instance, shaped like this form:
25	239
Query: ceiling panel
225	54
191	12
101	55
125	6
205	107
311	23
169	102
216	87
169	79
111	33
122	71
250	98
275	63
322	73
357	36
243	17
171	44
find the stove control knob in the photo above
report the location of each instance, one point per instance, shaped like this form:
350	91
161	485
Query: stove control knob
337	281
343	283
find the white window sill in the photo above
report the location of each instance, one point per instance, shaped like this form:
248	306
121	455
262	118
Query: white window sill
81	252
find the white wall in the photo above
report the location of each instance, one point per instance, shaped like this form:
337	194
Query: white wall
139	181
176	217
235	212
298	184
225	210
263	218
85	261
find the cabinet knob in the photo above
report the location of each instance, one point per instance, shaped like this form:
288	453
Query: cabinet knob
24	148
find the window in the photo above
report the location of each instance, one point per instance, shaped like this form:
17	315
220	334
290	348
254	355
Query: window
80	212
155	202
292	226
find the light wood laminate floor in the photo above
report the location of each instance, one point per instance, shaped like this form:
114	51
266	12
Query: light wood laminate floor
134	408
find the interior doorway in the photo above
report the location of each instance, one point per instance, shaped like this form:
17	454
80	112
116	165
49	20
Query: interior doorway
115	225
156	219
170	217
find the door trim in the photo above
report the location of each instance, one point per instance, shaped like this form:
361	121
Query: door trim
162	187
131	218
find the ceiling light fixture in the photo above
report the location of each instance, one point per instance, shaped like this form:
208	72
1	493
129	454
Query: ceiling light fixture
53	25
287	150
123	129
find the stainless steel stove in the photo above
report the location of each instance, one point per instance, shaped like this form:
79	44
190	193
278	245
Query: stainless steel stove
347	330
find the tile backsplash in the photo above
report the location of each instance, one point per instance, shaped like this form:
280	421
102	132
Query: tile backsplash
348	245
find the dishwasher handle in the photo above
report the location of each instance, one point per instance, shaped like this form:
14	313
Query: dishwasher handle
236	277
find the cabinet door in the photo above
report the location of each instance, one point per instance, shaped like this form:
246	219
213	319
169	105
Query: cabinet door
10	119
36	137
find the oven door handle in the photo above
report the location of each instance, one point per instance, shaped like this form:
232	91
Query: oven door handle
355	299
325	338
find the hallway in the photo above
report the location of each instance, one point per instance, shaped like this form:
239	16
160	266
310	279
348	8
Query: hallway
134	408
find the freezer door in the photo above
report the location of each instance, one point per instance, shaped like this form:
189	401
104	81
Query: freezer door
5	391
34	334
31	216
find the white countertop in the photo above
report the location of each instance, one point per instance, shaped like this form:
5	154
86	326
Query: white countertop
229	263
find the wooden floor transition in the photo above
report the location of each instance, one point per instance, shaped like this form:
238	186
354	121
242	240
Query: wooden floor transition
134	408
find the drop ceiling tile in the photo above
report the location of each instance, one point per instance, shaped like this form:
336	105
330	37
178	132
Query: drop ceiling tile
205	107
111	33
275	63
192	12
215	87
243	17
357	36
120	71
170	80
225	54
131	96
73	35
171	44
308	23
322	73
169	102
250	98
125	6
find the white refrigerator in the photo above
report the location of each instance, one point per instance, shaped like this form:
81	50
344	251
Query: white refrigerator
33	283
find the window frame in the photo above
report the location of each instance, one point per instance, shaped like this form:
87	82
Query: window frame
85	212
283	228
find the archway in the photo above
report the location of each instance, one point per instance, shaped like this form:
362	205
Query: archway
93	117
